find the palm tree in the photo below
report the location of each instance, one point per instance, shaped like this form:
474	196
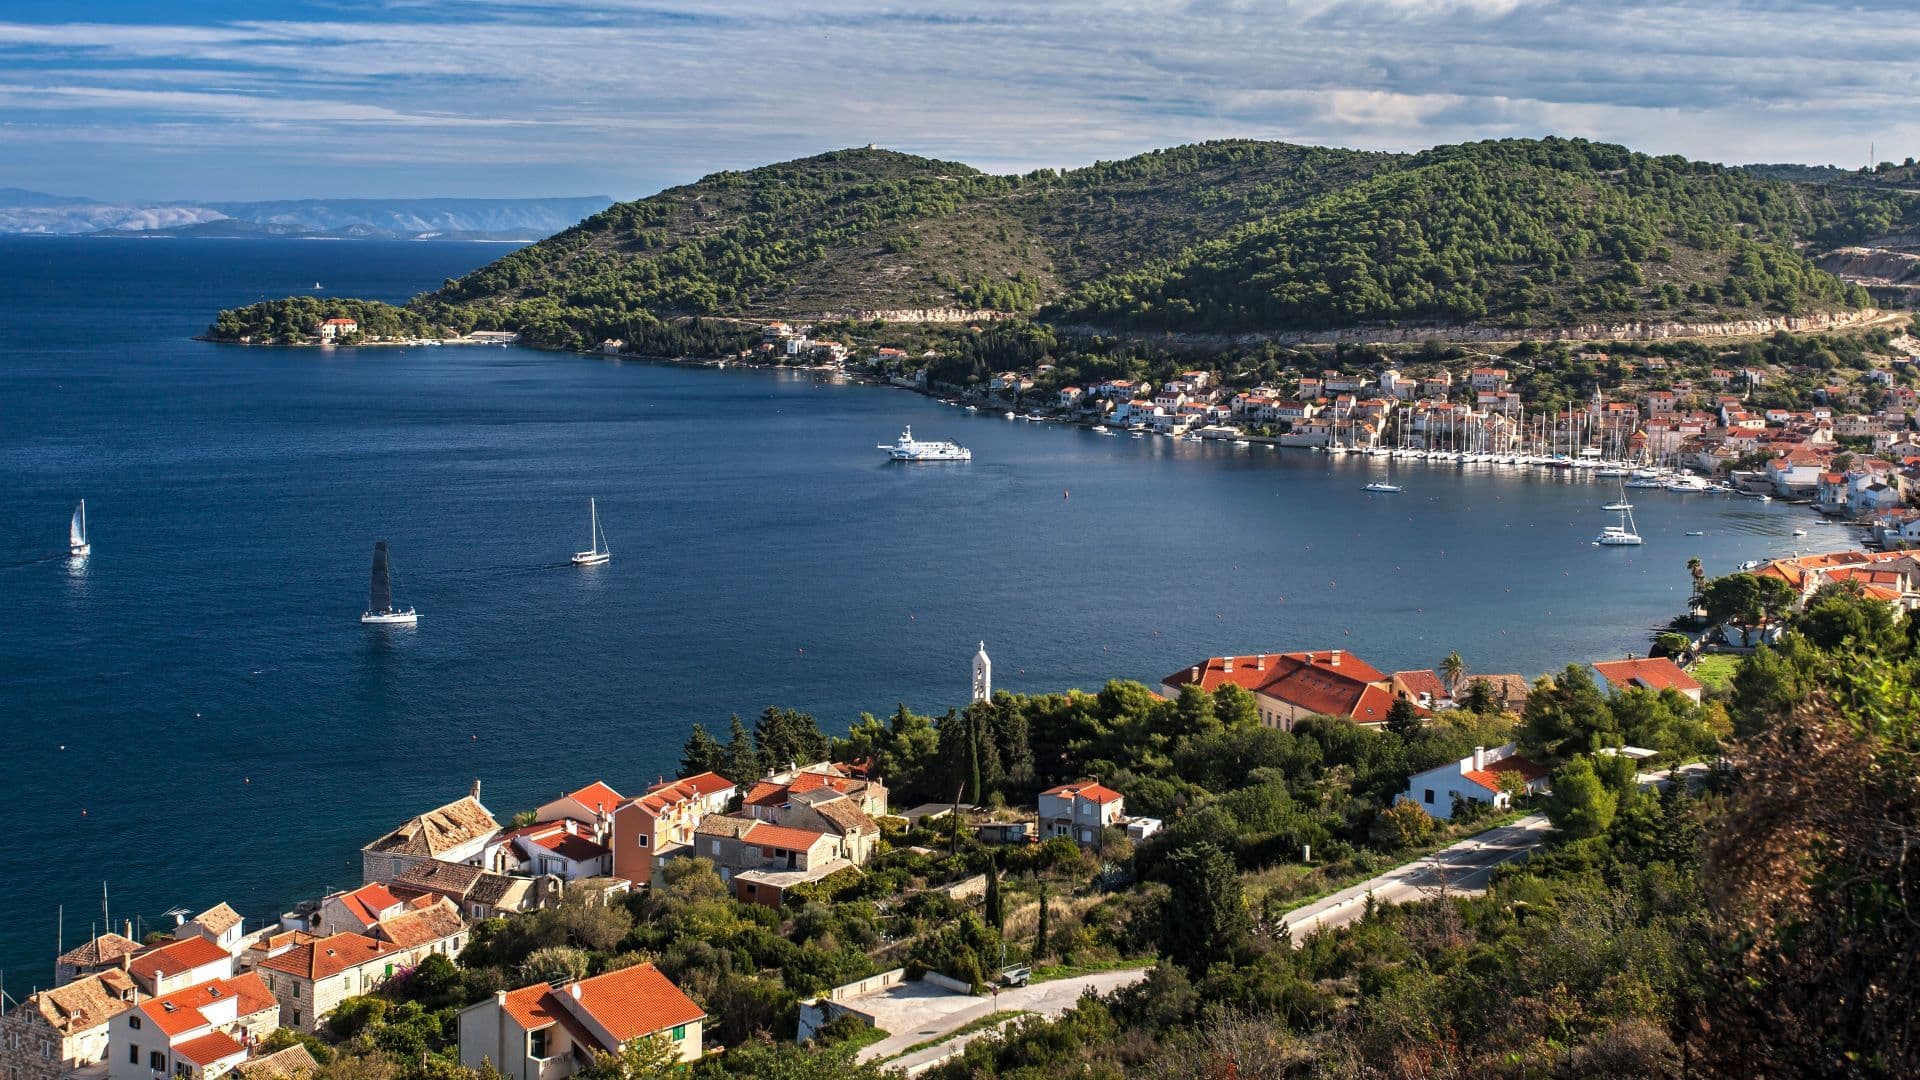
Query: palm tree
1699	573
1452	670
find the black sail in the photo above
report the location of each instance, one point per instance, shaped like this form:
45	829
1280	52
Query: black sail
380	597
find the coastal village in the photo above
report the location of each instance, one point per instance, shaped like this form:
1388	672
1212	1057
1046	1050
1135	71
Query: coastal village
214	995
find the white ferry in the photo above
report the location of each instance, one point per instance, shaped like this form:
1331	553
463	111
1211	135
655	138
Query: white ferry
909	448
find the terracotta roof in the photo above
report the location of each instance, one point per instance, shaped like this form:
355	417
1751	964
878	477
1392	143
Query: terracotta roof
289	1064
490	889
179	1012
83	1004
329	956
209	1048
846	816
597	795
438	831
1310	681
412	929
1425	682
178	957
631	1002
571	845
105	949
707	783
219	918
1511	690
527	1006
765	791
1653	673
782	836
453	879
1090	790
367	902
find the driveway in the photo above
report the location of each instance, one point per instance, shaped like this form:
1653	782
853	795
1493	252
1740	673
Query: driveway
914	1012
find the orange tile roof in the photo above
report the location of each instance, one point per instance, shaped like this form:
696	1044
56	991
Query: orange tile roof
632	1002
1422	682
209	1048
571	846
782	836
706	783
179	1012
1091	790
527	1006
368	901
178	958
596	795
329	956
1653	673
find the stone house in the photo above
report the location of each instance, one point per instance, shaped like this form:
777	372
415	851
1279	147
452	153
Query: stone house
108	951
355	911
455	833
219	924
311	978
55	1033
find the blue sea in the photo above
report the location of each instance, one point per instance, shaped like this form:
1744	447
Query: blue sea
194	714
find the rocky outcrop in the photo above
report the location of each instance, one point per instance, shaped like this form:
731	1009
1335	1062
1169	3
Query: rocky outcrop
1623	331
1872	266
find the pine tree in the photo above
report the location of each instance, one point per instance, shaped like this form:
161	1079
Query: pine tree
701	753
743	761
1204	919
785	736
1402	719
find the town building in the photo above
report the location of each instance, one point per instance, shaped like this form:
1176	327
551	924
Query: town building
547	1032
651	828
336	328
455	833
312	977
107	951
199	1032
53	1034
1289	686
219	924
1655	673
178	964
1082	811
1476	778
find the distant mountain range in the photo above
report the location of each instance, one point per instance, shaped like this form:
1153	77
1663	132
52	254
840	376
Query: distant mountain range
39	213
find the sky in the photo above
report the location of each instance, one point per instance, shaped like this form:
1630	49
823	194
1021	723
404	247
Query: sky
254	99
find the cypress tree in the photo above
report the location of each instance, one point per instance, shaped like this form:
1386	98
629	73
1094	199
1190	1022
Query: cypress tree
996	915
701	753
1040	935
743	761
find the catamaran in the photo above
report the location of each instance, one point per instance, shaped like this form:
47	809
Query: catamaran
380	610
77	543
597	552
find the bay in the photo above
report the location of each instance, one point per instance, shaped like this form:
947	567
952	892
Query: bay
194	714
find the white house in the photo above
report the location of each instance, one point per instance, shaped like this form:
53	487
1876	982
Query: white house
545	1032
1080	810
1474	778
219	924
199	1032
186	962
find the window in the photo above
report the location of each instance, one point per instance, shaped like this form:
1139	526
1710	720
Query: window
133	1054
537	1044
396	868
680	1031
296	1018
133	1022
46	1050
1429	795
157	1061
642	838
716	847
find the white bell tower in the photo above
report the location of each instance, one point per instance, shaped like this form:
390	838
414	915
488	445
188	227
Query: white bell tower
982	675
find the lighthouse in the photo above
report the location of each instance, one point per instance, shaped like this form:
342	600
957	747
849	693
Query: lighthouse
982	675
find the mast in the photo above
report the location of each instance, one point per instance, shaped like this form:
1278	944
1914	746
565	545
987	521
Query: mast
380	591
593	526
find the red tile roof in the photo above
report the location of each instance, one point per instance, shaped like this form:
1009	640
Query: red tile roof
596	796
527	1006
1422	682
571	845
631	1002
782	836
329	956
184	1014
706	783
178	958
1091	790
1653	673
209	1048
368	902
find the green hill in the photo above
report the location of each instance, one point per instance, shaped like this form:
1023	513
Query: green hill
1222	236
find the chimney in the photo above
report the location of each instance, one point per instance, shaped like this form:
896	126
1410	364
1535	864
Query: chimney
474	792
1226	663
1260	662
1193	673
1335	661
575	991
1479	758
500	998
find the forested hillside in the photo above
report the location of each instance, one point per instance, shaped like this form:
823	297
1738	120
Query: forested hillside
1224	236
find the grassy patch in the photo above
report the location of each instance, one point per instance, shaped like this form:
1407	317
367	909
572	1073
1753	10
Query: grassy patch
864	1035
1053	972
1716	669
999	1016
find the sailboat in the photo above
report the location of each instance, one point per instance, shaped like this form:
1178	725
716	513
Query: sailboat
77	544
598	552
1620	503
1621	535
380	610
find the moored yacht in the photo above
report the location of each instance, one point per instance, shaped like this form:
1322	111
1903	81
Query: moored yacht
1621	535
908	448
598	553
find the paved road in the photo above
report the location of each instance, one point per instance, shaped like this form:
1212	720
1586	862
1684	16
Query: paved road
915	1012
1462	869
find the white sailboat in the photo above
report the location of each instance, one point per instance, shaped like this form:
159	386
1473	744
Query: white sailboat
77	544
599	552
380	610
1624	534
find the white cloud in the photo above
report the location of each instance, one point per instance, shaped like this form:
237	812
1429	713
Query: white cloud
649	91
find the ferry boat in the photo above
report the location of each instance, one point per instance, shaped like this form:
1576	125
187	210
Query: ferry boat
908	448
